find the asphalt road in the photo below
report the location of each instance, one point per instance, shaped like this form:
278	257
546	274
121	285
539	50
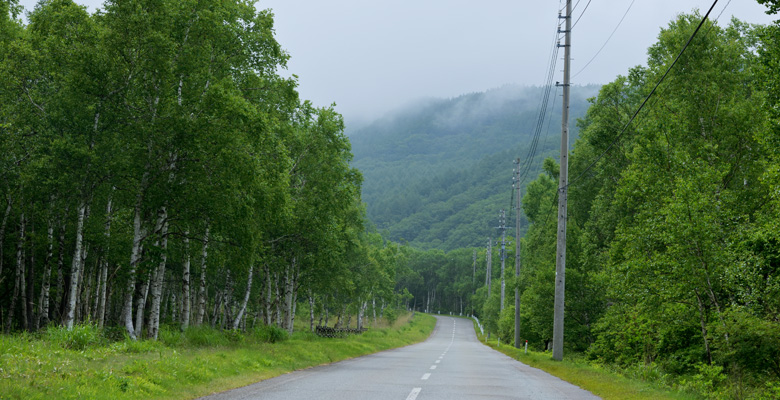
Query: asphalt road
450	365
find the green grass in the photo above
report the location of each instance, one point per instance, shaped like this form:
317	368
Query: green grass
593	378
86	365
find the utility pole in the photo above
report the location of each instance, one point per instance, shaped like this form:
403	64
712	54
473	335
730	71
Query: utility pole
489	259
517	253
502	227
560	261
474	274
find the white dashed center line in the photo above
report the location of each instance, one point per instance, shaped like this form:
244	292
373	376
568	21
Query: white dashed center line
433	367
426	376
413	394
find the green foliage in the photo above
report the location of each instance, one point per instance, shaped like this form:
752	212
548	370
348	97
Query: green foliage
270	334
672	257
391	315
78	338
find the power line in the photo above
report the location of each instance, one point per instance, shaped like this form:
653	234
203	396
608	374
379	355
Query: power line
583	13
646	99
542	110
608	39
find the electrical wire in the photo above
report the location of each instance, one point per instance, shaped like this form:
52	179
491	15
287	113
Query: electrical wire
622	131
607	41
542	112
580	17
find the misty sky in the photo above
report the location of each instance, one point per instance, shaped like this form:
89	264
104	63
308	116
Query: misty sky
370	57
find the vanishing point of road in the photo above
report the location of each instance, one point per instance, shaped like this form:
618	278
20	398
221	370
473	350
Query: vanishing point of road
451	364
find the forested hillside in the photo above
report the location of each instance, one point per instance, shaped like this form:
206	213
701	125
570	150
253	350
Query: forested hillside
432	169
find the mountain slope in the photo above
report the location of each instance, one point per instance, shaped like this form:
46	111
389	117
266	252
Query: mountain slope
437	172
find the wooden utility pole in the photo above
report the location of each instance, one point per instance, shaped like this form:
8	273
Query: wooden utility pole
517	253
560	261
502	227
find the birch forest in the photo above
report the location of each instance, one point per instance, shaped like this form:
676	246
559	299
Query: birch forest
157	168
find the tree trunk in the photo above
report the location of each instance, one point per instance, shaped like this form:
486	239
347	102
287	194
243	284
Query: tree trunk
172	306
159	275
19	282
2	232
373	308
288	297
703	321
227	314
140	305
30	319
60	297
202	287
75	269
103	281
268	295
43	302
242	309
185	284
311	311
17	275
135	257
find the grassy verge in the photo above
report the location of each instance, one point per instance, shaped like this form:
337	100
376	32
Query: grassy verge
595	379
200	362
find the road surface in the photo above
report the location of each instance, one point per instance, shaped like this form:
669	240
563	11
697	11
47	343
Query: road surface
450	365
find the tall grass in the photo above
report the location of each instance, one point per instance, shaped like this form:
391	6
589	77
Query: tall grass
85	364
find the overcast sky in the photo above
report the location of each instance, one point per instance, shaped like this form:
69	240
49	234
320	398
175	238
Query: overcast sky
370	57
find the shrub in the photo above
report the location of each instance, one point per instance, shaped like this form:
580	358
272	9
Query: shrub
391	315
270	334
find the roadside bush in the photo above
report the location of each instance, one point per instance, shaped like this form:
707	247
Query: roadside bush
391	315
506	325
270	334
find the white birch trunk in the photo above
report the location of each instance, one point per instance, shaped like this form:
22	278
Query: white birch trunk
202	287
288	297
140	306
2	233
278	303
268	295
361	313
103	281
19	275
76	265
311	311
43	302
159	275
242	309
59	306
185	284
373	308
135	257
